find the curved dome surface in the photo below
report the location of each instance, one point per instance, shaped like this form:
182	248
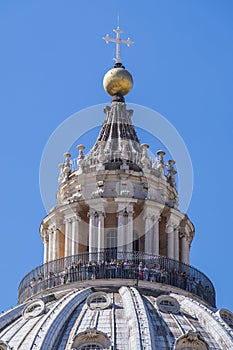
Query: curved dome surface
114	318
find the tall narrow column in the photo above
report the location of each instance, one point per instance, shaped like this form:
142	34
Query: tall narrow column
188	251
129	233
67	236
46	246
91	229
75	235
93	233
120	236
55	243
170	240
50	250
100	234
176	244
148	235
152	214
155	247
184	248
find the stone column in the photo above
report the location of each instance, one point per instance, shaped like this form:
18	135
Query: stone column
68	228
184	247
93	234
170	240
176	244
100	234
120	235
152	212
75	235
55	243
46	246
148	235
155	247
129	232
50	250
188	251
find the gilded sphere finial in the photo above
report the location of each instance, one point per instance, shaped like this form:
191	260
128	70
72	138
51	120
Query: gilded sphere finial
117	81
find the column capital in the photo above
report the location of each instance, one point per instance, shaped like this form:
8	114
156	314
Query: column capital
152	217
68	219
125	212
152	209
45	237
51	229
170	227
182	234
75	217
94	213
174	218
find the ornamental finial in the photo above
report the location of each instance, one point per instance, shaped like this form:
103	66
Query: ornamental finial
118	42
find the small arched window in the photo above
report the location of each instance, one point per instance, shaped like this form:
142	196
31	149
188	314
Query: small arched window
91	339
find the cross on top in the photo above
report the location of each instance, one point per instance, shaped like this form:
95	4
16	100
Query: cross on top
118	42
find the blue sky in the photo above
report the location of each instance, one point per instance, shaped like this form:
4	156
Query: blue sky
52	63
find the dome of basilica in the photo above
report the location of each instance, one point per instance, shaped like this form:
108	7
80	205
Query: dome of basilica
116	272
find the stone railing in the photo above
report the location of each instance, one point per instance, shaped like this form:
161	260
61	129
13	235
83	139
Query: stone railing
110	264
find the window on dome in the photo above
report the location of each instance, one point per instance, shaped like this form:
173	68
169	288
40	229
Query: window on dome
191	341
168	304
91	347
3	346
91	339
34	309
98	300
226	316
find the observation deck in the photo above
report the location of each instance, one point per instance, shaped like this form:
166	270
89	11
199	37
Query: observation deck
132	267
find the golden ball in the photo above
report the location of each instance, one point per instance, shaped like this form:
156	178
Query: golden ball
118	81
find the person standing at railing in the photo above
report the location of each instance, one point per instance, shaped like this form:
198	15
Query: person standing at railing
126	268
97	269
119	269
157	273
89	270
101	269
83	272
145	273
164	276
140	270
113	269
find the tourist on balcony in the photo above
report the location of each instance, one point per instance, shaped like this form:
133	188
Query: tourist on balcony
146	273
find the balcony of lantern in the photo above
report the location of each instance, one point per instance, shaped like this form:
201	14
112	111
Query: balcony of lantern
111	266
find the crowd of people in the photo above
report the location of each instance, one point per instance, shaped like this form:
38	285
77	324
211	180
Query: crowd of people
123	269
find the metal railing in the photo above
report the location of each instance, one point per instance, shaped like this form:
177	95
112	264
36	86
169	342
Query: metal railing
110	264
